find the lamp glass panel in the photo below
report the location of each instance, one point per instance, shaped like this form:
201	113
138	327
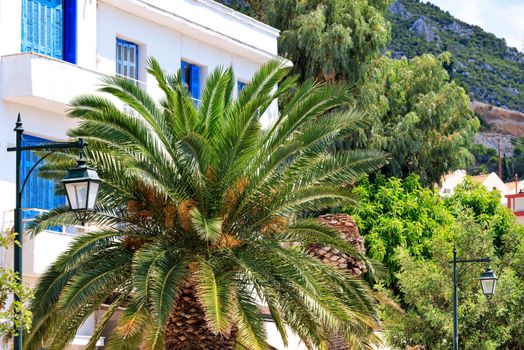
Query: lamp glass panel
93	192
488	286
77	193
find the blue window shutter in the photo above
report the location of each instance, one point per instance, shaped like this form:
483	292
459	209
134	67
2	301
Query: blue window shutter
195	82
126	59
70	12
42	27
240	86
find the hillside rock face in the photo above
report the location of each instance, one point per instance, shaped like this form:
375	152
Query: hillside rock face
458	29
423	28
504	126
483	64
398	8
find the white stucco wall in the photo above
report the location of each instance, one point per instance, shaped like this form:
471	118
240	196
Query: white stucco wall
457	177
452	180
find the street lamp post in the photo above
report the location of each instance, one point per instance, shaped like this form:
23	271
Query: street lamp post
488	281
82	181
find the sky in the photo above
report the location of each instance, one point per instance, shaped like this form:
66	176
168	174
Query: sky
504	18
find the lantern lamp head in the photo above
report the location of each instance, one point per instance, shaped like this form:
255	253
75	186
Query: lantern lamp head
488	281
81	185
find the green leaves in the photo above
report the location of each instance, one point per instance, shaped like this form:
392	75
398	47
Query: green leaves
421	118
249	321
207	229
214	291
14	314
330	40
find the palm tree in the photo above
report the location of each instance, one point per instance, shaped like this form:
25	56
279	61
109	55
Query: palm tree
200	218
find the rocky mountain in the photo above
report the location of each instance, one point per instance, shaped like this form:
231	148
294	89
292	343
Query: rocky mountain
483	64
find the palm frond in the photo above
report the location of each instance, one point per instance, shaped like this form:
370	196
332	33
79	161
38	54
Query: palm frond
208	229
213	290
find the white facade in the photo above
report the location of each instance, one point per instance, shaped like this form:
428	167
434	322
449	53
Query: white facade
200	32
490	182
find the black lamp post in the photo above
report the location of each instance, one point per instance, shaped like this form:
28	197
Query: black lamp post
81	184
488	281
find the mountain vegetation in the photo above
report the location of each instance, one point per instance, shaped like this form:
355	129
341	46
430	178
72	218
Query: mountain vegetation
483	64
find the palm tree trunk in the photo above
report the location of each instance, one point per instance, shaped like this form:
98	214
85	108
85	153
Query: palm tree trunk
187	329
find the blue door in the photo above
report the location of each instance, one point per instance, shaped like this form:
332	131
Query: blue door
39	193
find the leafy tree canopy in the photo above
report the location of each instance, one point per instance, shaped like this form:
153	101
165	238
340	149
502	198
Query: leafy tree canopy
412	230
427	285
331	39
394	212
420	117
325	39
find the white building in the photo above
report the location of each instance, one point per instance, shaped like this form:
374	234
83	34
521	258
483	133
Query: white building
490	181
54	50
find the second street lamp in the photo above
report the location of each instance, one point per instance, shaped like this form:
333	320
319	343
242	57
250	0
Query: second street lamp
488	282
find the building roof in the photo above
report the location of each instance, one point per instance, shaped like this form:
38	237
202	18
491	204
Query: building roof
207	21
514	187
480	178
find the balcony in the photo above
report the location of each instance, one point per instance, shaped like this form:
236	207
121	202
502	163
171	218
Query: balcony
44	82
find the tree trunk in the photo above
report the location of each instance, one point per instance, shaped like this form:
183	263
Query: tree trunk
187	329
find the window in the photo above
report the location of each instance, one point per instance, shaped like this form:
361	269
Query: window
127	59
191	78
240	86
49	28
39	193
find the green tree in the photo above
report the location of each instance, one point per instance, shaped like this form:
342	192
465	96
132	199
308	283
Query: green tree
420	117
486	210
13	313
198	218
330	40
412	230
394	212
426	286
